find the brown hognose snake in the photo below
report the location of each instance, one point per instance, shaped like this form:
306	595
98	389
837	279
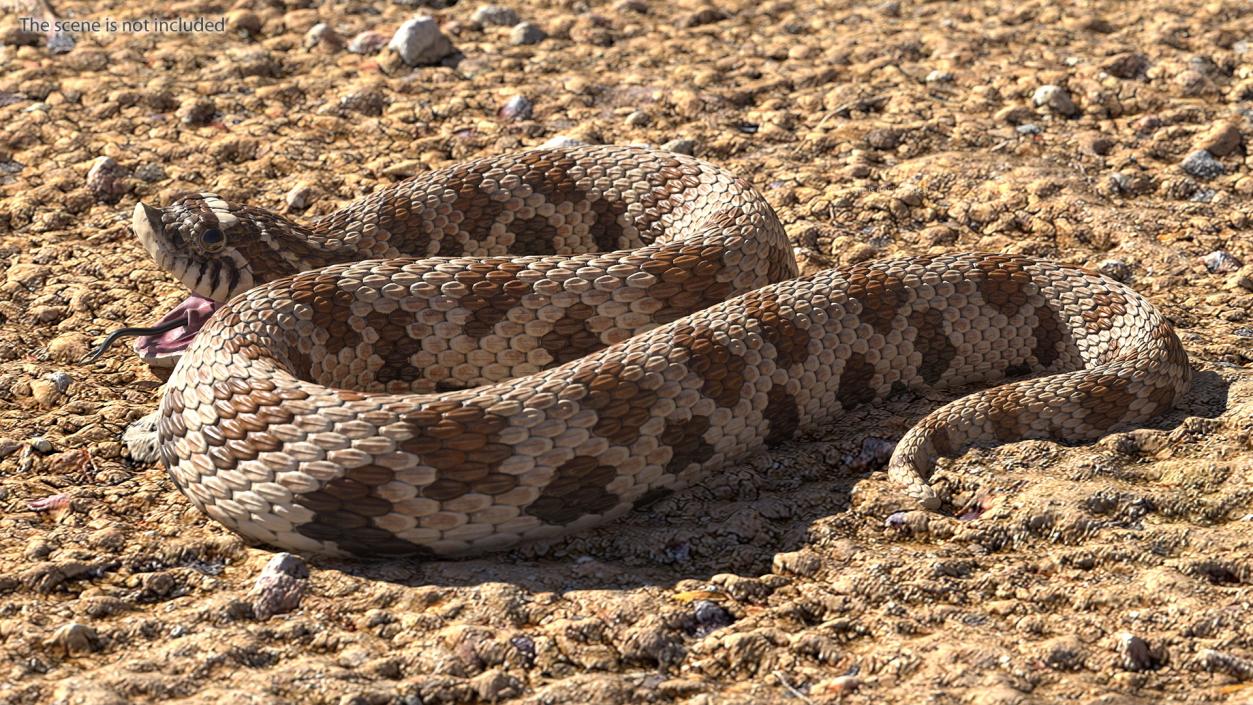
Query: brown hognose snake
520	347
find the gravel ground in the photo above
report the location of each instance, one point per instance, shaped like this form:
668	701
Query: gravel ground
1111	135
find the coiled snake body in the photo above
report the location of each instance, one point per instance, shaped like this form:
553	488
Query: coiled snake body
520	347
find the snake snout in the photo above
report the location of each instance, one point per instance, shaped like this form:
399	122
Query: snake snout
146	222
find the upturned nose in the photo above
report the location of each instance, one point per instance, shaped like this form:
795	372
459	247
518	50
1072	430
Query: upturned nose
145	222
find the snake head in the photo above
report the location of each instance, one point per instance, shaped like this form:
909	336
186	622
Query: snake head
192	238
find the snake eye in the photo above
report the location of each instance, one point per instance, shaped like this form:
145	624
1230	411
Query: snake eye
212	239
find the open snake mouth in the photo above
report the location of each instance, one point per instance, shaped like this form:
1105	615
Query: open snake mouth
161	344
162	347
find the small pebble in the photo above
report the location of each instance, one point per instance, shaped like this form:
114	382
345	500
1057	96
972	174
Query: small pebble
526	33
559	141
1056	99
1014	114
495	15
419	42
74	639
150	172
680	146
938	76
709	616
105	180
1028	129
299	197
8	447
638	118
1221	262
518	107
60	380
1064	653
1202	165
1126	66
368	101
39	444
1098	144
197	111
708	15
323	36
803	562
1135	653
835	687
280	587
1115	269
1242	279
245	21
368	42
1222	139
45	393
639	7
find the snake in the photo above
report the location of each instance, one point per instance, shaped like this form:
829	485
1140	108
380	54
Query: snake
524	346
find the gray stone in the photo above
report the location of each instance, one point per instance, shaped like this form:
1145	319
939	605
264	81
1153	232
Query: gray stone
105	180
495	15
1221	262
419	42
638	118
1202	165
526	33
1056	99
280	587
299	197
558	141
1115	269
519	107
680	146
323	35
367	43
150	172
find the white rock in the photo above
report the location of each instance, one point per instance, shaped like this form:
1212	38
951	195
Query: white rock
419	42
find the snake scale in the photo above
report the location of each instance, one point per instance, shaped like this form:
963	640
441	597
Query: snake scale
520	347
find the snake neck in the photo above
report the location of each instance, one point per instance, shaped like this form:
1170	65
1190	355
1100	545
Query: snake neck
288	247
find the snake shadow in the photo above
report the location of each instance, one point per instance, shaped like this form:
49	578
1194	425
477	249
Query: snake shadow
797	494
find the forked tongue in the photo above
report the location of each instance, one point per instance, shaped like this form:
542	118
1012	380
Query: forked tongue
193	312
160	343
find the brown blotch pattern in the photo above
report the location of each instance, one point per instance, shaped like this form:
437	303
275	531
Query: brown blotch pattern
855	382
330	305
622	406
720	370
930	340
880	293
790	341
782	414
463	445
1049	336
569	338
577	489
1106	306
686	440
395	346
1106	400
1005	414
494	290
1002	281
688	279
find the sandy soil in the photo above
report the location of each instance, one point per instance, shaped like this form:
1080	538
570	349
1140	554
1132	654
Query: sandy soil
1114	572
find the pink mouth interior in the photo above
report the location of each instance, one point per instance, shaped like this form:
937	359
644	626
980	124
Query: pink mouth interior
194	311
